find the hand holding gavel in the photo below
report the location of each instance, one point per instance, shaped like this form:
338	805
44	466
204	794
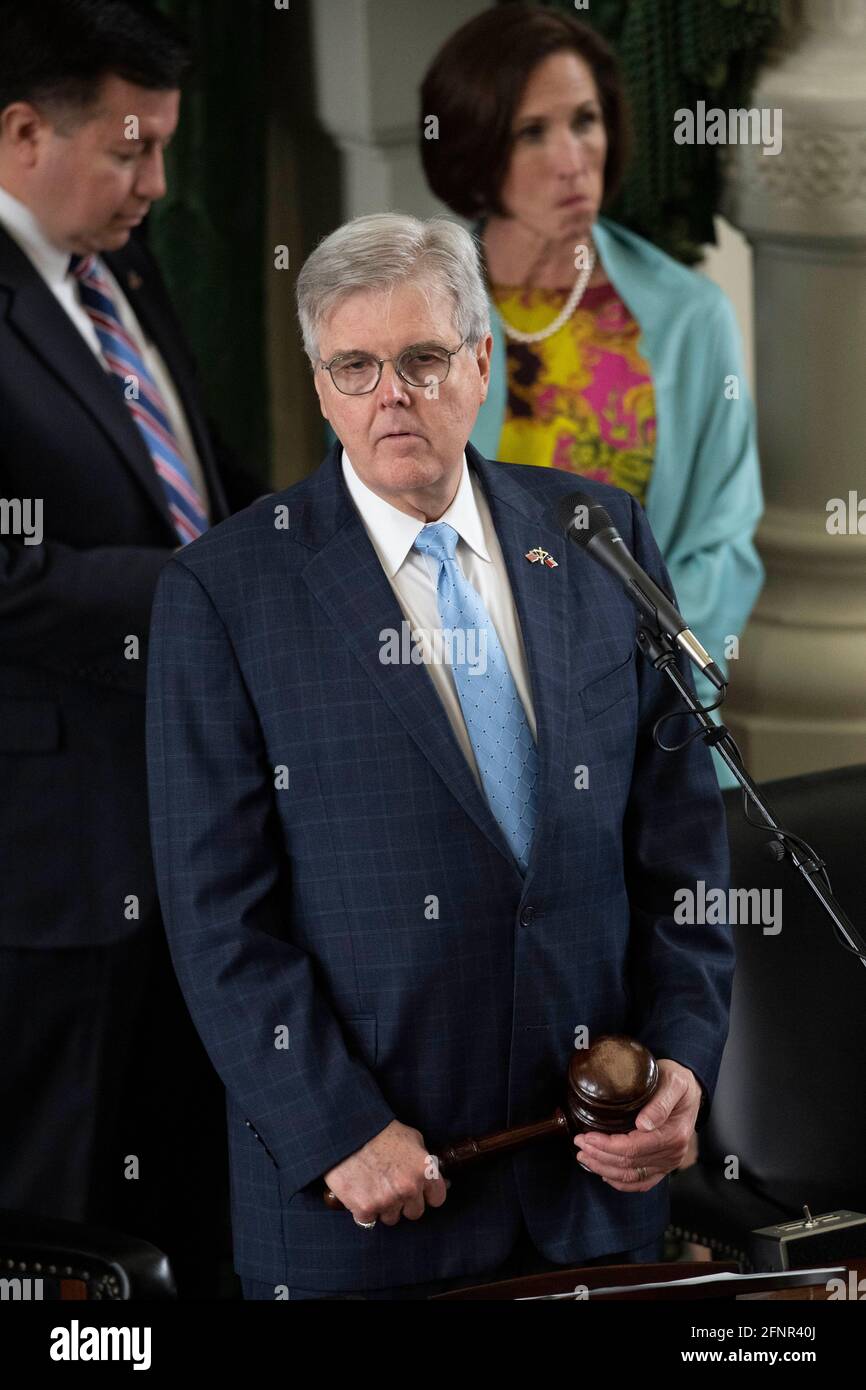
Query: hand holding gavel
607	1085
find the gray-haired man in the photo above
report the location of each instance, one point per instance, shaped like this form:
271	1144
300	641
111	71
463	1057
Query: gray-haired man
389	904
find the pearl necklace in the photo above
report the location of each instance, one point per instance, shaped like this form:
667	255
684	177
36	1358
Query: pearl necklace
565	313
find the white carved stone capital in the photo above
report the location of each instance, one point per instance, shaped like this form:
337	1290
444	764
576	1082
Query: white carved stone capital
816	185
799	688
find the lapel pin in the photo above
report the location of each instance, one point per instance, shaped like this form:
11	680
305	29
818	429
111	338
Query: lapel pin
533	556
134	280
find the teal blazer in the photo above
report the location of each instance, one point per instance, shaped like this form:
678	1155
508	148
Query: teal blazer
704	498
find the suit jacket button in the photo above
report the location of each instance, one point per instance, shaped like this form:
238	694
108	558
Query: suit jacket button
526	916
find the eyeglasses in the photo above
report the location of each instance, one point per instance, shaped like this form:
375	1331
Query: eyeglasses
357	373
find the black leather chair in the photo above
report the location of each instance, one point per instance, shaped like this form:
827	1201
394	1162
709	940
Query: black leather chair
77	1262
790	1105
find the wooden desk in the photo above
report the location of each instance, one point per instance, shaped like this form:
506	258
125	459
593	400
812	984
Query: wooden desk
603	1276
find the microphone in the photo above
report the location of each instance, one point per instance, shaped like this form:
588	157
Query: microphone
590	526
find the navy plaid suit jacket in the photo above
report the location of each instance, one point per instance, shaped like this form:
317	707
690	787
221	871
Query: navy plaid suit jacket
333	881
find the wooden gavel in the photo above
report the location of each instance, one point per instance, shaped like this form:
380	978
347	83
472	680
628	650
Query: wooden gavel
607	1085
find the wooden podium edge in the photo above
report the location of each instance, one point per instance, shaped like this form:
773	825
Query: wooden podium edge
602	1276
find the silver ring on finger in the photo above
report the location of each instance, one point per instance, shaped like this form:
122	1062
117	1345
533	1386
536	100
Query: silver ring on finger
642	1174
367	1225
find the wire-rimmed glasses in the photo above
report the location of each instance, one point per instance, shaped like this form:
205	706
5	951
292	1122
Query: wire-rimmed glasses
421	364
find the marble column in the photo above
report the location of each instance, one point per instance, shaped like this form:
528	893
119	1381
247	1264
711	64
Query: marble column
798	700
369	64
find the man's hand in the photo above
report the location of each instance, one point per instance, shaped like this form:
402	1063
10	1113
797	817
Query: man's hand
393	1175
657	1145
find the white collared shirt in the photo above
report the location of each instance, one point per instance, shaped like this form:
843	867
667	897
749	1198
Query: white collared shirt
413	576
53	265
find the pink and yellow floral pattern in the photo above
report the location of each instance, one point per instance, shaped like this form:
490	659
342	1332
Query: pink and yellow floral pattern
581	400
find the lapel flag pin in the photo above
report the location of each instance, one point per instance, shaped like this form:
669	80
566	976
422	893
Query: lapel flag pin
134	280
533	556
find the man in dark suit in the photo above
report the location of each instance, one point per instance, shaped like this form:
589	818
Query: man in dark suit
104	440
399	888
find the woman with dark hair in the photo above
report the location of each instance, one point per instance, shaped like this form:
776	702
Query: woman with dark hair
610	359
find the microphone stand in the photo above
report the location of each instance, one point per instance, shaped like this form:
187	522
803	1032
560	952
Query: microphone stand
658	649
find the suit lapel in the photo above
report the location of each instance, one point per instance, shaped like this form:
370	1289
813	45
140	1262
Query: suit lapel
347	579
49	333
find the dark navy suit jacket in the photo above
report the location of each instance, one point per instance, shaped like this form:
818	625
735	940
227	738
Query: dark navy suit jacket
73	810
351	932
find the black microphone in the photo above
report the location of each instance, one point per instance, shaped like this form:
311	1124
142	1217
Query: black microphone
590	526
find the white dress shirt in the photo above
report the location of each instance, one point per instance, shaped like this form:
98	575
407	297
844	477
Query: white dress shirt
413	578
53	265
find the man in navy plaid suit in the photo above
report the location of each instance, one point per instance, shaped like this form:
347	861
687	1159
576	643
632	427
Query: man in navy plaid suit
395	889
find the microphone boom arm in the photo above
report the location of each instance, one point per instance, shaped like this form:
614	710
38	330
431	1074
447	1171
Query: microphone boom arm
658	649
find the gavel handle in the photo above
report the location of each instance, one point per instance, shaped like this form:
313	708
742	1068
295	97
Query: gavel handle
469	1151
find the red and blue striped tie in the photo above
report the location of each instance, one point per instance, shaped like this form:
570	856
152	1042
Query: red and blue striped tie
148	407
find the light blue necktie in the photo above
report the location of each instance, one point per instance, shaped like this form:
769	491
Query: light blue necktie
495	719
